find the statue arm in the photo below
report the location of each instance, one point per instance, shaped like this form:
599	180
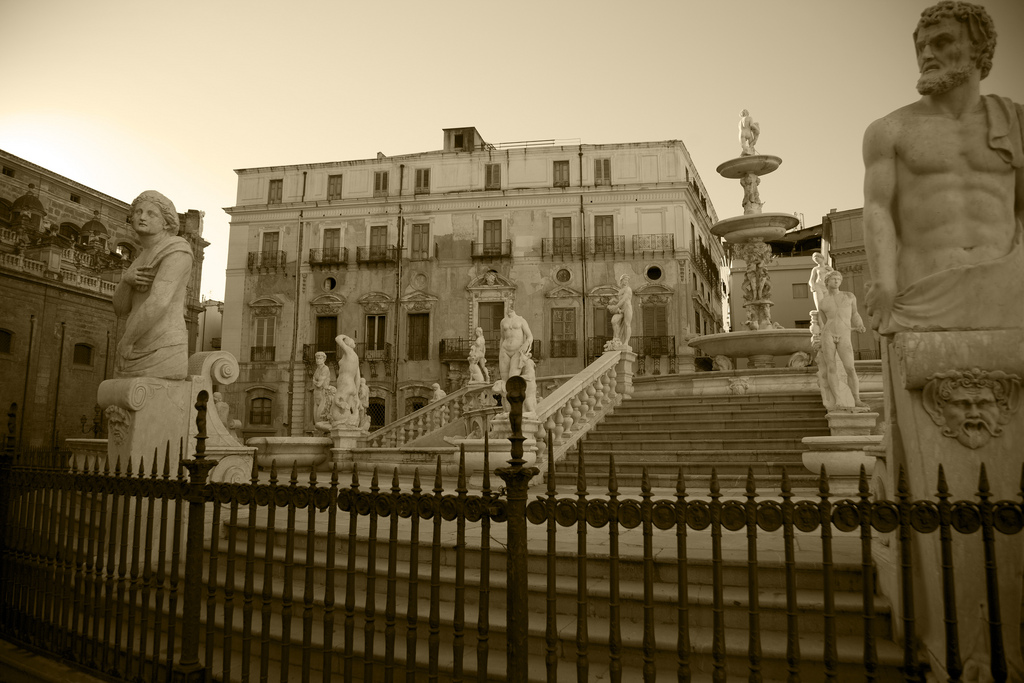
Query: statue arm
527	337
880	239
172	273
856	322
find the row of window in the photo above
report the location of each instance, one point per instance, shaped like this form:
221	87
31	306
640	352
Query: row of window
261	411
564	328
421	182
82	354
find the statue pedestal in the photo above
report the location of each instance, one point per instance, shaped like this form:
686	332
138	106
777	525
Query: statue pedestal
145	417
498	446
953	399
842	456
345	440
851	423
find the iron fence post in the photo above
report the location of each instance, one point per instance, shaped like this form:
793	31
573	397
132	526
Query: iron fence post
517	482
188	669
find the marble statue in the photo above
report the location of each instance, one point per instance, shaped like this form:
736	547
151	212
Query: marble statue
224	413
721	362
621	308
516	343
799	359
751	197
529	373
439	393
151	295
819	272
944	235
478	371
321	380
346	405
837	310
749	132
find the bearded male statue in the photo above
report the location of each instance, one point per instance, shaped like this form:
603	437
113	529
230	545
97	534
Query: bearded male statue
943	217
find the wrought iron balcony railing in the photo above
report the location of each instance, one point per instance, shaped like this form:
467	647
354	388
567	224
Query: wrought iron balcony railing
655	242
384	254
375	353
267	260
490	250
563	348
457	348
595	347
654	346
262	354
561	246
335	256
614	245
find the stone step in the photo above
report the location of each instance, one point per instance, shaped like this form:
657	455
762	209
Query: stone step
697	430
599	441
686	422
730	400
601	456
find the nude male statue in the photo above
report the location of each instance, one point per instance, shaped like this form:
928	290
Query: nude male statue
151	294
478	358
749	132
839	310
944	189
516	343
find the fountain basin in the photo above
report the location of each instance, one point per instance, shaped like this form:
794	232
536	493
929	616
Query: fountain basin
764	226
758	345
758	164
286	452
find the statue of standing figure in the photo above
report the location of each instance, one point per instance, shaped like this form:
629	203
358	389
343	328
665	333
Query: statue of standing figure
151	294
749	132
621	308
516	343
478	359
321	380
837	310
819	273
345	411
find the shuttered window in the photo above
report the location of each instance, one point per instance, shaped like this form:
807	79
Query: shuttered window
419	336
376	330
561	173
492	233
602	171
276	191
422	180
421	240
265	332
380	183
492	177
563	332
334	187
655	321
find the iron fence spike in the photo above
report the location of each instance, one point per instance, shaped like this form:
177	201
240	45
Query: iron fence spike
461	485
438	488
167	460
273	471
613	480
375	480
863	488
416	488
396	487
751	486
294	478
943	486
681	483
334	474
983	487
714	487
823	482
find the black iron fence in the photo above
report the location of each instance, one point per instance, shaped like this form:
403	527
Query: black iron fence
316	579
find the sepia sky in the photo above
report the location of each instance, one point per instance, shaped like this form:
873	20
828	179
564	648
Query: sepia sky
129	95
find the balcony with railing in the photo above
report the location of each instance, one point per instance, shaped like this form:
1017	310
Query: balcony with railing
262	354
377	255
654	243
595	347
563	247
491	250
334	256
457	349
267	260
614	245
563	348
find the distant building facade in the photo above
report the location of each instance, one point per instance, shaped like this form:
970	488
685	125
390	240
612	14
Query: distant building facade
63	247
410	254
210	317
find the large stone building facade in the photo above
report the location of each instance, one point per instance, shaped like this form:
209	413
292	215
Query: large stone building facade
410	254
63	247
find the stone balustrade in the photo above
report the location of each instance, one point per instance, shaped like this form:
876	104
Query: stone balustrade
580	403
432	417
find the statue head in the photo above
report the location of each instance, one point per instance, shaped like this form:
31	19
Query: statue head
165	206
744	113
623	279
479	331
217	396
970	405
320	357
818	258
972	46
834	276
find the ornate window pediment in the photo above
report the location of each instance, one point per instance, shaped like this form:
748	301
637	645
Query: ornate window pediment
561	292
602	295
265	306
376	303
328	304
491	280
418	302
653	294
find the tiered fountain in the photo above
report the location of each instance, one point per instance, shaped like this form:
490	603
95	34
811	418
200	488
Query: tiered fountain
746	234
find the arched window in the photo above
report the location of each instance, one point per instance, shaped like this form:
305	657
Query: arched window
377	412
70	231
6	341
83	354
260	410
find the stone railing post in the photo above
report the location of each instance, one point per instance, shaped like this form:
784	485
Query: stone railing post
188	669
517	482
